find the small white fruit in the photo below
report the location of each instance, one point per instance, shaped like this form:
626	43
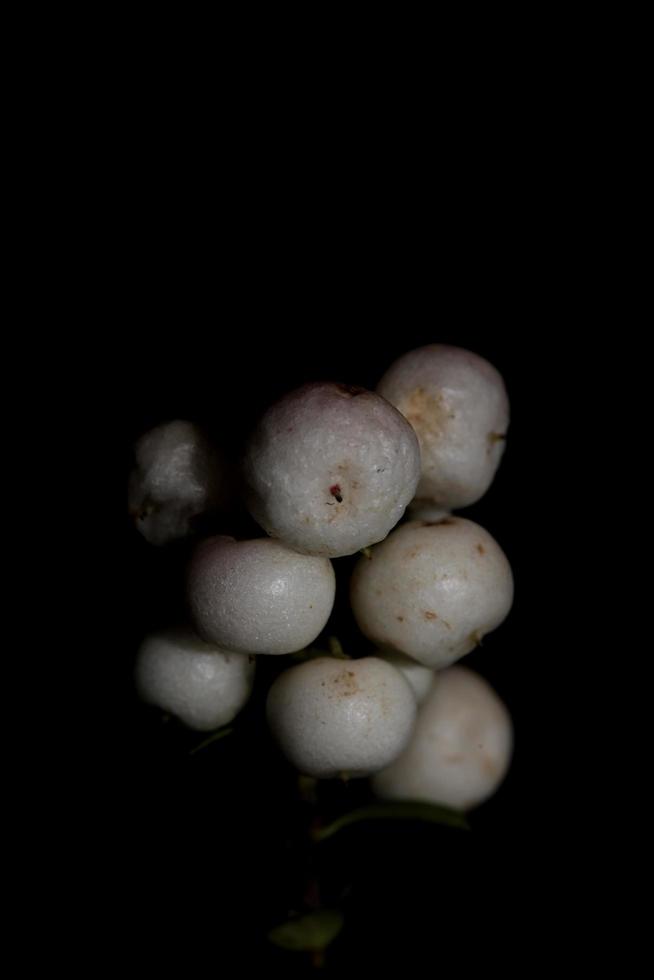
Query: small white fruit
330	469
425	510
259	596
461	747
202	685
420	678
178	476
334	717
432	590
457	403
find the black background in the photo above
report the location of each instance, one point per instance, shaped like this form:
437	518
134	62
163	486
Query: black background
225	250
205	838
211	238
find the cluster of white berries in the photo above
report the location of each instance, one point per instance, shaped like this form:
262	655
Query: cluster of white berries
330	471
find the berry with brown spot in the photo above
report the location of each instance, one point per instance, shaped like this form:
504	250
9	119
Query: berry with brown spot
461	747
429	592
333	717
330	469
457	403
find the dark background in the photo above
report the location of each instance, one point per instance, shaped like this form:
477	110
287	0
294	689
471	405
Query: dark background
228	248
225	251
220	822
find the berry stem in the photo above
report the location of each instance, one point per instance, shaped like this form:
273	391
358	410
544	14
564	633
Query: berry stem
336	649
212	738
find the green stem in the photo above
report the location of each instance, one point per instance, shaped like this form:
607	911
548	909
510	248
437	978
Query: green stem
212	738
336	649
393	811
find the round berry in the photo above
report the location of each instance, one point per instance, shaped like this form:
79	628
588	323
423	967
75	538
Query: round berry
259	596
461	747
432	590
330	469
341	717
202	685
457	403
420	678
178	477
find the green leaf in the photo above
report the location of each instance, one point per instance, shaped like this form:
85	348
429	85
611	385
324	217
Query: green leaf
308	933
215	737
399	810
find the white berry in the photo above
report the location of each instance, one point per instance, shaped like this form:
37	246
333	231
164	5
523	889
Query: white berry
432	590
259	596
202	685
330	469
420	678
457	403
461	747
335	717
425	510
178	476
